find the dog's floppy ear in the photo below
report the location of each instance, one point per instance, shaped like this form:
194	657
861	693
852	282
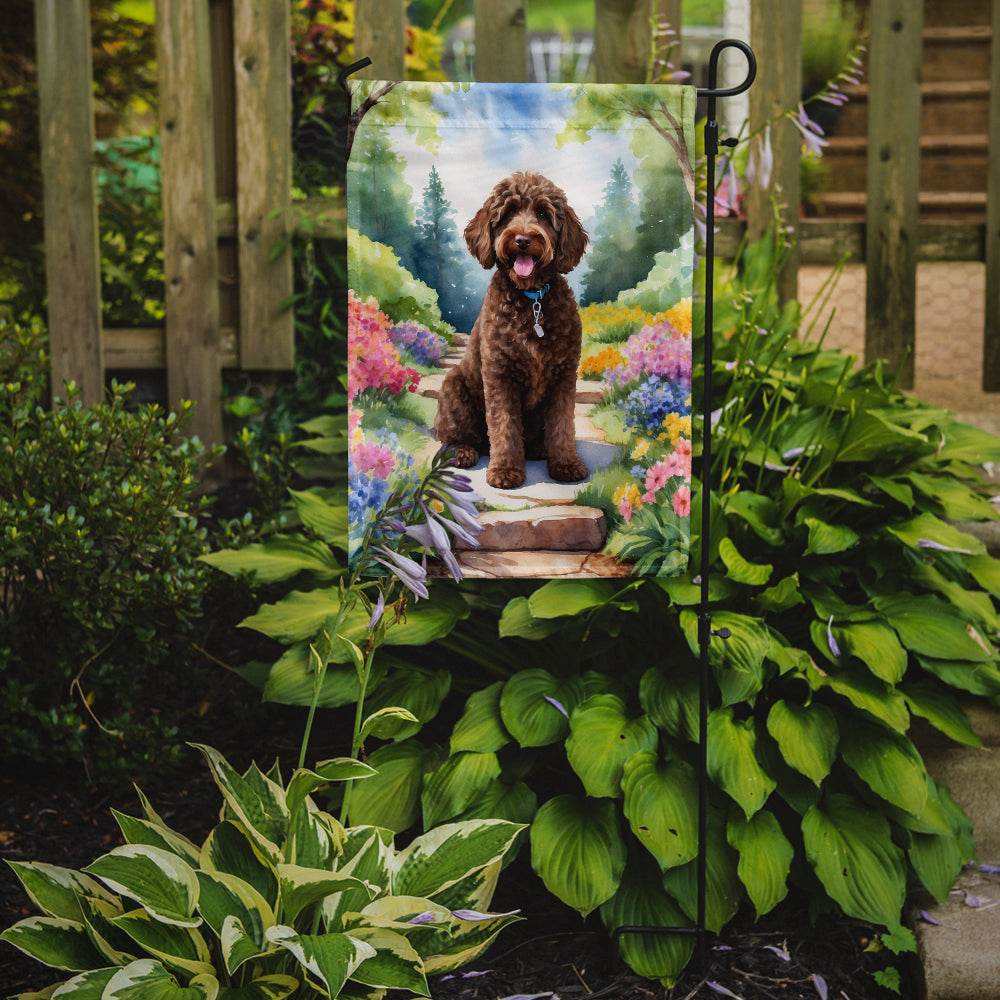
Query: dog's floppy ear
573	241
479	237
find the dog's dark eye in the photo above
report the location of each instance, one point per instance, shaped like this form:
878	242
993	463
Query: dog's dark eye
543	216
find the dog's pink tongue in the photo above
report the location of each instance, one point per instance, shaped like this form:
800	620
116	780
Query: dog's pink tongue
524	265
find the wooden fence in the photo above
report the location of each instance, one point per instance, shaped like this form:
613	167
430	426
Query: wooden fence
226	160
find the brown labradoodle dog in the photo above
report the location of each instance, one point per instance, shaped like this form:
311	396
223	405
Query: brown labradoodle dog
515	389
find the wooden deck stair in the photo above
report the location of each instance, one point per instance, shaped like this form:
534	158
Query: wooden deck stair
955	90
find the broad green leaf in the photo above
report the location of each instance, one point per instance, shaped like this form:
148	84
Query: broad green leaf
893	488
738	661
438	859
739	569
939	706
928	528
640	901
957	501
274	987
231	850
876	645
147	979
671	700
986	571
976	678
976	605
937	859
866	692
517	620
870	436
661	800
807	736
163	884
888	763
851	850
783	595
56	891
304	782
327	520
932	628
418	690
516	803
292	681
602	738
760	512
535	706
578	851
225	897
391	798
562	598
301	887
279	558
330	959
481	728
732	760
54	941
86	986
142	831
180	948
456	784
965	443
395	964
765	858
828	539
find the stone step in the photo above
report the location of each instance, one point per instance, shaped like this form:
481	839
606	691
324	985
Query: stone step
544	565
558	528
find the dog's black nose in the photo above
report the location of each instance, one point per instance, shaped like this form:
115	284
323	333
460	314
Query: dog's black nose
522	241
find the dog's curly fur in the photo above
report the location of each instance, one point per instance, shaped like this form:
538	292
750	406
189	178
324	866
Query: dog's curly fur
514	392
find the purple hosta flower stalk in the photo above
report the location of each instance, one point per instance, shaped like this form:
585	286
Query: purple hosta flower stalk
760	165
834	648
812	134
411	574
377	612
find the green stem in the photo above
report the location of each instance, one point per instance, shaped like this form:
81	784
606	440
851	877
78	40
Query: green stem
357	739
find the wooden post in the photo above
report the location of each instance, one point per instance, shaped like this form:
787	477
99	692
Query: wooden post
501	37
667	13
72	255
776	35
190	253
622	40
380	34
262	60
991	333
893	184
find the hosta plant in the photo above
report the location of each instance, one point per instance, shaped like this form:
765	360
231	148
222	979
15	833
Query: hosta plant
279	900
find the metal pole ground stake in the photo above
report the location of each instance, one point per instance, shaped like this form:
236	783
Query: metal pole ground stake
705	631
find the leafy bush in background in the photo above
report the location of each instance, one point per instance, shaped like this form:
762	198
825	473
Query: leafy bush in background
101	584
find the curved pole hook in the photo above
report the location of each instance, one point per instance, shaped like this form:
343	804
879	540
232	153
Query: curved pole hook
712	90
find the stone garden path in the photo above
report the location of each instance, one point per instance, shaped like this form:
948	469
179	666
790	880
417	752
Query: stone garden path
538	530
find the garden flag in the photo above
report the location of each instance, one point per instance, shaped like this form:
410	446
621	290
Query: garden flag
520	261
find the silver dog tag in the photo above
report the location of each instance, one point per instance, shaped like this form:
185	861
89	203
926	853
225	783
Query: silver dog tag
536	308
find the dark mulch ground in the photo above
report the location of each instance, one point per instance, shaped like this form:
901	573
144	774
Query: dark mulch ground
56	820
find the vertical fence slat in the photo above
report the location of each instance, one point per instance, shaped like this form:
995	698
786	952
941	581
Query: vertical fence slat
892	214
776	35
380	34
72	256
991	332
501	41
261	41
669	12
621	40
190	252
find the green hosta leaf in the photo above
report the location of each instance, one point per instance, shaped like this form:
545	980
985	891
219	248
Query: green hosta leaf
387	723
395	964
866	692
142	831
578	851
56	891
965	443
159	881
931	628
304	782
291	680
888	763
985	570
516	803
177	947
147	979
641	901
226	898
561	598
456	784
936	704
438	859
417	690
671	700
738	569
732	760
54	941
783	595
86	986
723	889
765	858
828	539
758	511
928	528
850	848
937	858
230	849
602	738
481	728
327	520
661	799
870	436
976	678
301	887
535	706
279	558
330	959
807	736
956	500
275	987
391	798
876	646
517	620
738	661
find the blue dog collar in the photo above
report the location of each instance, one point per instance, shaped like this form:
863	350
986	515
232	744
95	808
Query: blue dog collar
537	296
536	308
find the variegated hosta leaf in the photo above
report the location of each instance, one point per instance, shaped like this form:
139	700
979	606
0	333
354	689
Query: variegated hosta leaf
56	891
158	880
141	831
395	964
54	941
481	727
367	853
256	801
441	857
177	947
467	940
602	738
578	851
642	902
301	887
230	849
315	838
224	898
328	959
275	987
86	986
475	891
304	782
99	915
765	858
851	849
147	979
807	736
661	805
732	760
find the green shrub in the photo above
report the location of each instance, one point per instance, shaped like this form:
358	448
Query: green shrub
99	546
